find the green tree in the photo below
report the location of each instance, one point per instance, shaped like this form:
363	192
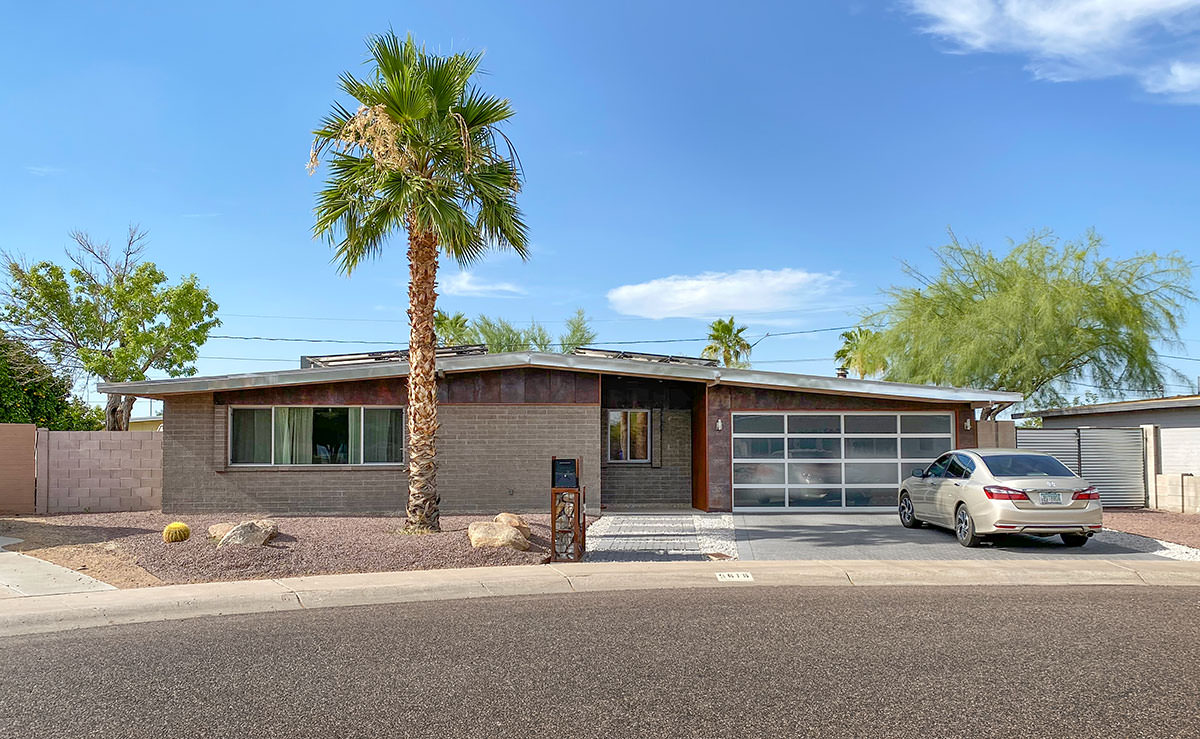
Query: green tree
855	354
109	315
727	343
32	392
422	154
579	333
500	336
1047	316
538	338
453	329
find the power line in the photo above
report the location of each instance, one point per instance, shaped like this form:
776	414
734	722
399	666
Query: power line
233	337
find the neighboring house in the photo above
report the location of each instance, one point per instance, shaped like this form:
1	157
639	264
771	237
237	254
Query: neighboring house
1177	422
649	430
147	423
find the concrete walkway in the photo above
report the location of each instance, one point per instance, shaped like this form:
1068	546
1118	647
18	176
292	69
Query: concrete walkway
22	575
661	537
81	610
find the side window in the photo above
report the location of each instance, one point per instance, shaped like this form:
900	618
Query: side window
938	468
955	469
967	463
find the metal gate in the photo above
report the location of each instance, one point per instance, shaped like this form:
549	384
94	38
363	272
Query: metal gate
1114	460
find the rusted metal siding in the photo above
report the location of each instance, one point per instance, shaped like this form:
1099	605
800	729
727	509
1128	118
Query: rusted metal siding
17	468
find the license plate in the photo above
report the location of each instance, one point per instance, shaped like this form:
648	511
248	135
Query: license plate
1051	498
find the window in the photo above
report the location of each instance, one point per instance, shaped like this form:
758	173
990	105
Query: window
1025	465
304	435
629	436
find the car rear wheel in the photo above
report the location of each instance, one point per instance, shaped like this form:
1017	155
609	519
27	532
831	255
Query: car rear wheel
1074	540
964	528
908	517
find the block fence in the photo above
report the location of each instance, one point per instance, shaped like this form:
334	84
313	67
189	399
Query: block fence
98	471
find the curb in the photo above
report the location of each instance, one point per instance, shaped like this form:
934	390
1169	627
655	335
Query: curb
51	613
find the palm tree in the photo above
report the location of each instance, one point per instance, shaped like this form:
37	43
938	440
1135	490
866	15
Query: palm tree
453	329
421	154
854	354
725	342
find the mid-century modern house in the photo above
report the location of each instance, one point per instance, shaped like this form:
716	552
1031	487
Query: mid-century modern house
649	431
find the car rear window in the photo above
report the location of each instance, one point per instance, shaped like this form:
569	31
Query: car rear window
1025	465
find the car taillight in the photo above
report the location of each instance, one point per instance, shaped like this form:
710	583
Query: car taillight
999	492
1086	494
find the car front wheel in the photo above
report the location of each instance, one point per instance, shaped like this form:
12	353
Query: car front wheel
1074	540
908	517
964	528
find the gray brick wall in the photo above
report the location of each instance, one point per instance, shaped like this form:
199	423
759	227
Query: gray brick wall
99	471
492	458
647	485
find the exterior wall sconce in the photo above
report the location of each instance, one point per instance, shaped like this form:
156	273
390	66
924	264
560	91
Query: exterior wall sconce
719	424
967	423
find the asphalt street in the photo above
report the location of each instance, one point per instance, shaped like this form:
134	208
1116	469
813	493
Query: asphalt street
735	662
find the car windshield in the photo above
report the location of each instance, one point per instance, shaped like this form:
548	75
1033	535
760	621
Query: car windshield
1025	465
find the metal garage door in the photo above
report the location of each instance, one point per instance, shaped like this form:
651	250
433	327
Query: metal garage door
1114	460
815	460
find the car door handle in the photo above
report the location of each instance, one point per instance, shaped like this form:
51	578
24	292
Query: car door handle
958	484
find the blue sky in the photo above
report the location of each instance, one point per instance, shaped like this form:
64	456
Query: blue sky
776	161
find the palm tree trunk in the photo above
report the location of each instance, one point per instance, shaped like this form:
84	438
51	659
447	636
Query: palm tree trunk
423	498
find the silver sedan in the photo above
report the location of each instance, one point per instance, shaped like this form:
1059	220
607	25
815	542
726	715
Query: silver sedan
982	492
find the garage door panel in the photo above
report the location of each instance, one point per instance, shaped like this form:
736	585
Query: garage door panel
834	460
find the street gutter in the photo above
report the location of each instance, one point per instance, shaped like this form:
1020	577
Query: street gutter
50	613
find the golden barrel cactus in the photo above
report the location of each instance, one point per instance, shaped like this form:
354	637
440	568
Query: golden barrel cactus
177	531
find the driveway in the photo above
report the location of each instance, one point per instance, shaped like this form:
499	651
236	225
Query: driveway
673	536
789	536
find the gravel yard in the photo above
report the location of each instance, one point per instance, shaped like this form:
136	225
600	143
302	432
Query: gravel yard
1177	528
127	550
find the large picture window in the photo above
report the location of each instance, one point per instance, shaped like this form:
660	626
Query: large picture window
629	436
304	435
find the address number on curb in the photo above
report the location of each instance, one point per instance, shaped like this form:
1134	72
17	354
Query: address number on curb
734	577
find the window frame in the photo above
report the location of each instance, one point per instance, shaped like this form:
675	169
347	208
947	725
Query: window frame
229	463
608	435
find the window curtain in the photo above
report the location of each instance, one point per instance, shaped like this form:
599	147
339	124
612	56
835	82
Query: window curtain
293	435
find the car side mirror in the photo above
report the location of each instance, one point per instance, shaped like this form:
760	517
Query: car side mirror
918	472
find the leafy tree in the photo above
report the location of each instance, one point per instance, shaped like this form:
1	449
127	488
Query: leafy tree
422	154
1043	317
579	333
538	338
853	354
453	329
109	315
500	336
31	392
727	343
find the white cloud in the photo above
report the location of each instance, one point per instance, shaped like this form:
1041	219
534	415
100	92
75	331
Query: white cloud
1155	42
465	284
42	170
722	293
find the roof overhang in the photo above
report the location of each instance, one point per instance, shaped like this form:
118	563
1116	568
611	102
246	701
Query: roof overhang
598	365
1124	406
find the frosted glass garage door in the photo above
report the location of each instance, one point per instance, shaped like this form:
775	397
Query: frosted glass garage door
831	460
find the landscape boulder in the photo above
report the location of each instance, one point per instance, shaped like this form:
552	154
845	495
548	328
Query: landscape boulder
250	533
219	530
492	534
515	521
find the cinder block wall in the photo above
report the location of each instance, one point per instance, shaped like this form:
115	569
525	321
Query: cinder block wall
493	457
99	471
670	484
1178	493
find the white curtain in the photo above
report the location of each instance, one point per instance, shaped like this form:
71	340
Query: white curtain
293	435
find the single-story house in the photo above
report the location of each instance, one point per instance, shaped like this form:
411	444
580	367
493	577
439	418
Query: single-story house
1172	427
146	423
650	431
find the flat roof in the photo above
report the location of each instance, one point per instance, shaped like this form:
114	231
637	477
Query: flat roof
1120	406
570	362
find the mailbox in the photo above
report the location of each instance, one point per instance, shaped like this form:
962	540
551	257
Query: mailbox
565	474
